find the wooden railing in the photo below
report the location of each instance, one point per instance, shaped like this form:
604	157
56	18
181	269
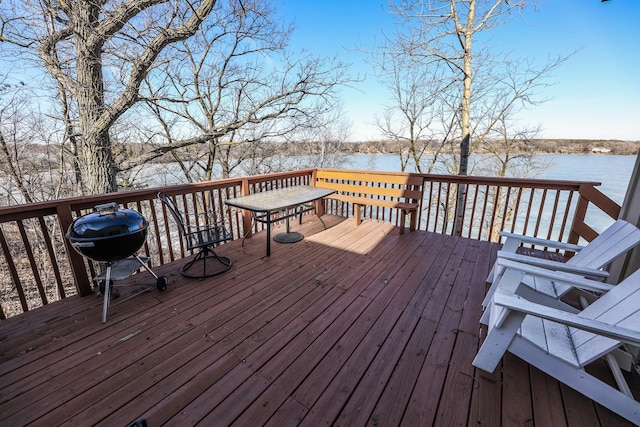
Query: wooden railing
38	266
542	208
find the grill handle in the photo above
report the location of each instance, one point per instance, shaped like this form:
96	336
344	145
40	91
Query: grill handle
82	244
107	208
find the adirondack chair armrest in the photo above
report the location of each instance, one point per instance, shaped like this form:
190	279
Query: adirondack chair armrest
551	265
516	303
542	242
574	276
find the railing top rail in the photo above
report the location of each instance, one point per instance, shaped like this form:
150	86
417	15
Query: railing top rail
365	172
254	179
505	181
13	212
512	182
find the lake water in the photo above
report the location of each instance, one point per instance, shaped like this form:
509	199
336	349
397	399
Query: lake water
613	172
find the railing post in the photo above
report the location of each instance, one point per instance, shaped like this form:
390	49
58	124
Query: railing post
83	284
246	215
320	210
578	226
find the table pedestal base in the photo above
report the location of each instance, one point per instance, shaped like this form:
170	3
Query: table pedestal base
290	237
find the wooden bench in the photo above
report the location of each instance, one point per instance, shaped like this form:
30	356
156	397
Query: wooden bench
393	190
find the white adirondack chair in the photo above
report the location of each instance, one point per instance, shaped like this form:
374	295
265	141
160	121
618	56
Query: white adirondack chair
561	343
588	261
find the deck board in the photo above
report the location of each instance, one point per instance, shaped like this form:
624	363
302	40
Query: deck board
352	326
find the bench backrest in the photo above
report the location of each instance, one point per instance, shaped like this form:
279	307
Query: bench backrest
616	240
397	185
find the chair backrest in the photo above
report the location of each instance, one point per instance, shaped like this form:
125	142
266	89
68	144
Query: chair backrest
173	209
619	307
611	243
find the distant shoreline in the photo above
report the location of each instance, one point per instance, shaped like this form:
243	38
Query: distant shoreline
537	146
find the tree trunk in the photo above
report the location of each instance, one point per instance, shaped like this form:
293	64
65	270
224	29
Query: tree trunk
96	164
465	113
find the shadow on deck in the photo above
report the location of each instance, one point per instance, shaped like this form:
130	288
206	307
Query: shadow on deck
351	326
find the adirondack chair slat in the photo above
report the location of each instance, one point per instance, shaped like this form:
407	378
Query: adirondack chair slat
544	286
618	237
551	337
533	329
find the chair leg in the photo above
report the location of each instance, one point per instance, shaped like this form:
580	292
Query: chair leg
198	265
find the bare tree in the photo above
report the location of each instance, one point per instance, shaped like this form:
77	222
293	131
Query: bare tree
31	158
443	32
79	43
409	116
236	82
439	38
211	73
10	145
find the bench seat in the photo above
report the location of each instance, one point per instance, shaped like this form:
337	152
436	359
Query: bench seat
392	190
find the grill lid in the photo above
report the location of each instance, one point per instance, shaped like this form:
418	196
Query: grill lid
107	221
109	233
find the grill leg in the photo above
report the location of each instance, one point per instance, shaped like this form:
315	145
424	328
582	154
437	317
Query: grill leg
146	267
107	292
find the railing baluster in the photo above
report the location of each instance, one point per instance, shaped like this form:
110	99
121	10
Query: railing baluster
529	206
13	271
540	212
505	211
484	211
437	218
553	215
473	209
52	257
565	217
516	209
445	210
429	202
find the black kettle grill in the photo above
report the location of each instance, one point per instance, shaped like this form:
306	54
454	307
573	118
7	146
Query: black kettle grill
109	234
113	236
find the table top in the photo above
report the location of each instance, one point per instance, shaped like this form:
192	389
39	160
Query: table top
279	199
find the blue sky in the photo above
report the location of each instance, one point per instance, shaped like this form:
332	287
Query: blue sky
596	93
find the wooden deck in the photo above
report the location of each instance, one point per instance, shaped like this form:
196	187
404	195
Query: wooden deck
352	326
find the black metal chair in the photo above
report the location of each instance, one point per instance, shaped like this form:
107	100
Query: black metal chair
201	234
